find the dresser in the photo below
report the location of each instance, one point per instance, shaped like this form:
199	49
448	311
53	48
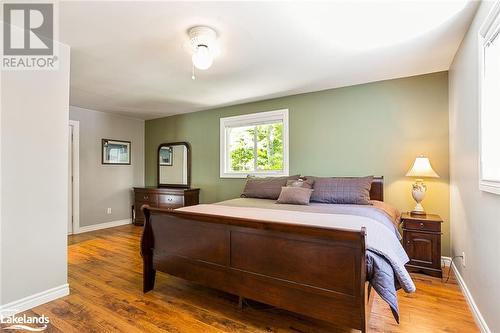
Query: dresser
422	243
162	197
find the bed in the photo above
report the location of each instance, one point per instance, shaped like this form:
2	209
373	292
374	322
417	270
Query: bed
305	260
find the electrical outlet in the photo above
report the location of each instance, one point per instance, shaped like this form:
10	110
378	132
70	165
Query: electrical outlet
463	259
108	211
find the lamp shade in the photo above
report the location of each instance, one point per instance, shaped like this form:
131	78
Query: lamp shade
422	168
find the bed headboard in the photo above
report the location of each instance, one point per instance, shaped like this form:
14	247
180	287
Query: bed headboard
377	189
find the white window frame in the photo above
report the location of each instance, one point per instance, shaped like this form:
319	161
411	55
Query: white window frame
489	31
247	120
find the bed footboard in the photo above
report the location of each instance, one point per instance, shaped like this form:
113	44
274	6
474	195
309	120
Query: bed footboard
317	272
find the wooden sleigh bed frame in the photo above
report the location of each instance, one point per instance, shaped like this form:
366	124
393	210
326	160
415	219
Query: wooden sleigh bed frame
314	271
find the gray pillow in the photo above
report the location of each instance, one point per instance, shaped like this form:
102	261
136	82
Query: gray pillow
265	187
301	182
294	195
342	190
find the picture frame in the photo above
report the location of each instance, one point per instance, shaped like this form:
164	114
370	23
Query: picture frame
166	156
116	152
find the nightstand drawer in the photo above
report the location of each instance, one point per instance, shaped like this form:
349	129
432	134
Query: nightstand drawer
422	225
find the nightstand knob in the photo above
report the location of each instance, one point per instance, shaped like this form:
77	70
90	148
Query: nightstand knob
421	225
408	242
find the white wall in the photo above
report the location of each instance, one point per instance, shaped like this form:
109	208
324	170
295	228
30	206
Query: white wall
475	215
34	167
107	186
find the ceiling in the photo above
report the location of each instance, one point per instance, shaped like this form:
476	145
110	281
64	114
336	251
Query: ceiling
133	58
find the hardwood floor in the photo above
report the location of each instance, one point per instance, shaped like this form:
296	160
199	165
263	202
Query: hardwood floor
105	277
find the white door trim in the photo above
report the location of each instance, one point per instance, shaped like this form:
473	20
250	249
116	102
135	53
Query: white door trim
76	174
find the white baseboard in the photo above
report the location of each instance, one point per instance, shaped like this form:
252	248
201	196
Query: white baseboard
446	261
468	296
102	226
35	300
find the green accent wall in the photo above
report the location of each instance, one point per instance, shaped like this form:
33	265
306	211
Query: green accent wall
370	129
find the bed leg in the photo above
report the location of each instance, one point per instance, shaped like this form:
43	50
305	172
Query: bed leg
240	302
149	275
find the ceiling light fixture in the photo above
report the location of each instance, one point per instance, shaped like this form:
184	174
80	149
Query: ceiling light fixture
202	58
204	47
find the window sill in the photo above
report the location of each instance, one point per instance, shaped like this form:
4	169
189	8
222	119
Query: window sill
256	174
489	186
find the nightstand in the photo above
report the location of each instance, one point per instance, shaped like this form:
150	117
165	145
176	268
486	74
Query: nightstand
422	243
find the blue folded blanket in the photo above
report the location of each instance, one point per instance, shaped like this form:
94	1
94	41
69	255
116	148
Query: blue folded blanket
380	274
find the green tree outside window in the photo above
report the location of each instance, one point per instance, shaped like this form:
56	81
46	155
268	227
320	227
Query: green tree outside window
257	148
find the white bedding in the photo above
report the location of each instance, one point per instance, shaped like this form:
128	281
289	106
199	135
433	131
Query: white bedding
378	210
380	237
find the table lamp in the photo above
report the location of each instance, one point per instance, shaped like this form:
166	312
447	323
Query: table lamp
421	169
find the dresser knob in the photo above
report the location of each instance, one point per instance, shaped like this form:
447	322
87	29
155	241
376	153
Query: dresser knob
408	242
421	225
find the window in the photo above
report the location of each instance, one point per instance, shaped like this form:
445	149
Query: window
489	123
255	144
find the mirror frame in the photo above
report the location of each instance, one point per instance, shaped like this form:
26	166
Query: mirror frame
169	144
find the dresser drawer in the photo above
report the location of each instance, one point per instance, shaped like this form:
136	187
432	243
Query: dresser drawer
146	197
170	201
162	197
422	226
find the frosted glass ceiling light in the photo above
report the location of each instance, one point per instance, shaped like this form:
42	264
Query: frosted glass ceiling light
202	58
204	45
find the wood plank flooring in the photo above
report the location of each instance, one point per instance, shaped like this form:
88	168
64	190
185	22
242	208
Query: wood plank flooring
105	278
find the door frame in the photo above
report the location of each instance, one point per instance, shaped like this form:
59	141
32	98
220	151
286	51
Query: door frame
75	142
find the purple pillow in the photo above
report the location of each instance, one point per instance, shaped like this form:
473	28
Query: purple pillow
294	195
342	190
265	187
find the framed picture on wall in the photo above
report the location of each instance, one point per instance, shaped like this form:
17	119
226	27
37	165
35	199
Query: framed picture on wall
115	152
166	156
